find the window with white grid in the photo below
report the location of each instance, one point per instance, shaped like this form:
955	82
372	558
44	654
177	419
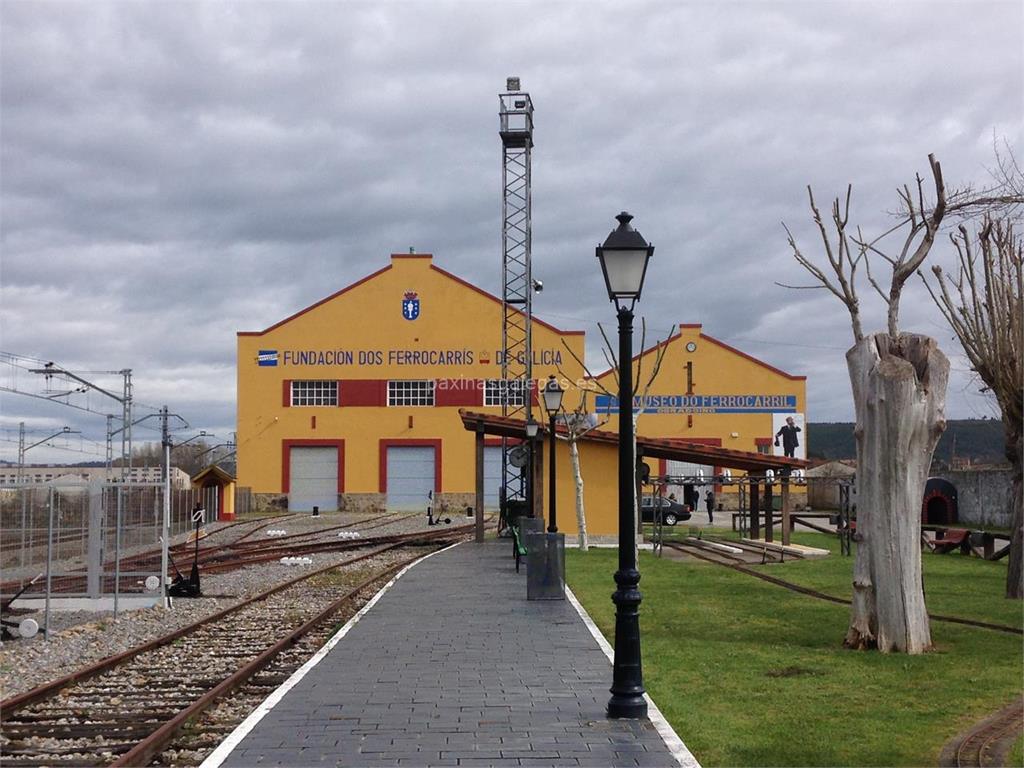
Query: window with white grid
496	391
411	392
315	392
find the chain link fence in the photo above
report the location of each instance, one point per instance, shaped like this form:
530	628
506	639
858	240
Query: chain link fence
87	539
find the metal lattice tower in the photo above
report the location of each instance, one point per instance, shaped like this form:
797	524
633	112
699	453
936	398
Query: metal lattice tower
516	130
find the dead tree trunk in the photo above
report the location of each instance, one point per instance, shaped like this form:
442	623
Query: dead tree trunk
899	393
1015	454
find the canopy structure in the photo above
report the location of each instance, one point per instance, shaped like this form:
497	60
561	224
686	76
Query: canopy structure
754	464
653	447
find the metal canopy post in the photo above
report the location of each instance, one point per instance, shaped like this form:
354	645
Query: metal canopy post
755	521
787	523
479	521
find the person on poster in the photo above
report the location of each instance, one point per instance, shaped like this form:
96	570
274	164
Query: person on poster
789	438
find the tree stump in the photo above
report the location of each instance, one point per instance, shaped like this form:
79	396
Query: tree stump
899	393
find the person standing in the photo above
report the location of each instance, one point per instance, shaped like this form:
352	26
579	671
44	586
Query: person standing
710	501
789	438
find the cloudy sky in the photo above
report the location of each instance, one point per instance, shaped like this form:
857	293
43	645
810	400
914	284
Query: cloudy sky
175	172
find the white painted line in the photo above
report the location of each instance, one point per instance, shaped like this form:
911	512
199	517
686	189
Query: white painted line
234	738
668	734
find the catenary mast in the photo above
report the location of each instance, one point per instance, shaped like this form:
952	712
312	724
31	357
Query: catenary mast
516	130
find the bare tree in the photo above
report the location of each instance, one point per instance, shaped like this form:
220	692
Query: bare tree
899	391
580	422
983	305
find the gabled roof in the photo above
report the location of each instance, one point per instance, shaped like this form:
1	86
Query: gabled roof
214	472
381	271
677	336
653	447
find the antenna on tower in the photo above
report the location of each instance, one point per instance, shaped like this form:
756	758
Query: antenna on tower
516	131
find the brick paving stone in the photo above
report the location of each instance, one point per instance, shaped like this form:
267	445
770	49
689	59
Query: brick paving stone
454	667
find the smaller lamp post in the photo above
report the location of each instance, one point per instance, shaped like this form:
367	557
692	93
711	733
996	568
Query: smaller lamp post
624	256
552	404
532	427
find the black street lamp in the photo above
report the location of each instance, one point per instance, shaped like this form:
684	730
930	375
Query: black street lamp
552	403
624	258
532	427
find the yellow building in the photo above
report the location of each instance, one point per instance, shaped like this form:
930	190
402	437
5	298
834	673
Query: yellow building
710	393
353	402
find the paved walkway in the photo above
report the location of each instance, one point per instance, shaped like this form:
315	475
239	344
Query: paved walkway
454	667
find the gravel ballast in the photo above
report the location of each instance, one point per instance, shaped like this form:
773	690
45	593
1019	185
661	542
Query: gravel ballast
81	638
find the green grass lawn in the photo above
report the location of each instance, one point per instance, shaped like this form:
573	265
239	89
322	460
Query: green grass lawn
752	674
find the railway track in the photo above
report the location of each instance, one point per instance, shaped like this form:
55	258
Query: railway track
126	709
988	743
735	563
228	555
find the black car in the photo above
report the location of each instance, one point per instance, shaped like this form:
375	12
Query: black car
671	511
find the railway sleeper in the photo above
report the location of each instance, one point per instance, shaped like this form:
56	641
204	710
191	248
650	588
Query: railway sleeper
62	731
77	762
113	719
79	749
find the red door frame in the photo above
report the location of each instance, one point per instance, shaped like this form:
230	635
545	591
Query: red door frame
397	442
286	459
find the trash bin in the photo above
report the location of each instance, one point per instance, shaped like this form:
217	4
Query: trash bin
545	566
529	525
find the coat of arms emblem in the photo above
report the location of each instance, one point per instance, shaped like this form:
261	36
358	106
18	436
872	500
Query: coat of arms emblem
410	305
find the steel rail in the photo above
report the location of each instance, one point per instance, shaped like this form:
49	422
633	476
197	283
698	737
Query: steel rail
149	747
46	690
378	522
229	562
975	746
831	598
140	559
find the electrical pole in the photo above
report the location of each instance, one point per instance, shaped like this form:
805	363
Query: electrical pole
21	452
165	535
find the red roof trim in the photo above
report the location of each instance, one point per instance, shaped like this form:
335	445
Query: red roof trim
412	255
495	299
713	340
691	325
314	306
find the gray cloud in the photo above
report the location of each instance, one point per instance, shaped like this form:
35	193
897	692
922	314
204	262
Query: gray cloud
175	172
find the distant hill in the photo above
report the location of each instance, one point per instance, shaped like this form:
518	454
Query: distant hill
979	440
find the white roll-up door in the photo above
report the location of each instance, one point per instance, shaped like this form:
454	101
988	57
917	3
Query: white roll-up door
410	473
492	476
313	479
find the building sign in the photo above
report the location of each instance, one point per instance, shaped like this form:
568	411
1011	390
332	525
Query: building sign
373	357
670	404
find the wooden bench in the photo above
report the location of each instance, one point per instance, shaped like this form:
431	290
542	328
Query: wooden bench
951	538
518	546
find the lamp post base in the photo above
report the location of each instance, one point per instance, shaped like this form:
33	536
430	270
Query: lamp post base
627	707
627	689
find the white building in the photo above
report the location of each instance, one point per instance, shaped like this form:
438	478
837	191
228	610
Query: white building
45	473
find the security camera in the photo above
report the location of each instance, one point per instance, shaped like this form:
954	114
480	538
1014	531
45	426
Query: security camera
538	286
